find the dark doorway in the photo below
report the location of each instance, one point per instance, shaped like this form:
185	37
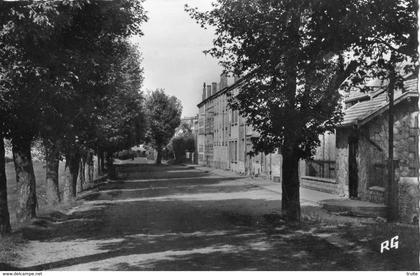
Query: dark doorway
353	172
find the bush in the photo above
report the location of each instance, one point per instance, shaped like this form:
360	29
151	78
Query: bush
180	145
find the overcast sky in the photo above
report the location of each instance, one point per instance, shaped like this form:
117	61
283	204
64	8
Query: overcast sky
172	48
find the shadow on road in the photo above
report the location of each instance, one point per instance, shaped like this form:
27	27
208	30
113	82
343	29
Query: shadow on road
178	218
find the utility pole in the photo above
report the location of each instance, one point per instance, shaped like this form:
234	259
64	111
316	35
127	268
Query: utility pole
392	189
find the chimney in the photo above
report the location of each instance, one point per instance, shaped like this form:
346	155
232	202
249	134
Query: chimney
204	92
223	81
214	88
208	91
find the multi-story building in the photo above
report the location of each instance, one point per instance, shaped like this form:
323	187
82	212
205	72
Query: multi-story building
224	138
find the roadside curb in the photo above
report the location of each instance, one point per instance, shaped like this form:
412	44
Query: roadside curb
254	181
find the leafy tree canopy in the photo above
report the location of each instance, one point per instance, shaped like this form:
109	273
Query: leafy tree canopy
164	116
121	121
55	60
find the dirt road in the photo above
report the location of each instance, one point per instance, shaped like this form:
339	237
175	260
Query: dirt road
181	218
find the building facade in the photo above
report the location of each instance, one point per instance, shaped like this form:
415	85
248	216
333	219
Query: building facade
224	138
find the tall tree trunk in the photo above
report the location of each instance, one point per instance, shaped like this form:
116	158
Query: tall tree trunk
159	156
110	166
102	162
25	178
4	210
290	165
70	176
99	163
91	169
290	187
52	159
81	181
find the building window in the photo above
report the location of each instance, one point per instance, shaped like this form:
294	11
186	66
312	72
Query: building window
234	116
321	168
233	151
230	151
241	150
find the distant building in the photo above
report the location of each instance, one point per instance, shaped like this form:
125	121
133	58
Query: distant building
190	121
224	138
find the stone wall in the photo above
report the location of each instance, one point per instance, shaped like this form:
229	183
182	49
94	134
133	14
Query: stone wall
406	140
405	151
373	150
408	199
405	137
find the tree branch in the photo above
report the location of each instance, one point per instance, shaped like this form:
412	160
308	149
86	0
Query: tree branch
390	47
341	76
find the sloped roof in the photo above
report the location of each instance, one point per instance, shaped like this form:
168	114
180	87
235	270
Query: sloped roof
230	88
411	85
364	111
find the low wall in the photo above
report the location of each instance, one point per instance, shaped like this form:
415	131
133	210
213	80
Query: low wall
319	184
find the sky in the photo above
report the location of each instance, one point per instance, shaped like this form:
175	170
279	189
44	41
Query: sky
172	49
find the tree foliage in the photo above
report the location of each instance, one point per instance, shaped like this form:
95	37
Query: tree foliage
164	116
389	43
55	59
294	56
121	122
182	142
293	49
58	76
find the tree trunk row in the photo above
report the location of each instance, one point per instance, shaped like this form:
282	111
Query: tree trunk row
101	163
90	167
78	171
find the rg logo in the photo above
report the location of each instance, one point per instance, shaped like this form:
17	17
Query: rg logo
393	243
